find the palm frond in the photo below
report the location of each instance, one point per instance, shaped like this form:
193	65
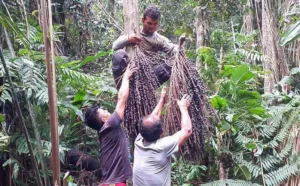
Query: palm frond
73	74
230	182
253	168
252	55
284	132
282	174
12	27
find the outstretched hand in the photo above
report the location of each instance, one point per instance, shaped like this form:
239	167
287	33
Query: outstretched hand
185	101
129	71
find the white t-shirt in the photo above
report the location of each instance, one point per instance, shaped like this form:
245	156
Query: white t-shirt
152	161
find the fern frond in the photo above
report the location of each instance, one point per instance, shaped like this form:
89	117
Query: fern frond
230	182
252	55
254	169
241	139
278	176
269	162
284	132
274	121
72	74
285	152
243	126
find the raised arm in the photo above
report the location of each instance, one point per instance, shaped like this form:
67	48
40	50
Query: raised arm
186	123
157	110
124	91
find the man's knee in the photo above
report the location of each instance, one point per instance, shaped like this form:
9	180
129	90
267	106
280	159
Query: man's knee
119	63
119	59
163	72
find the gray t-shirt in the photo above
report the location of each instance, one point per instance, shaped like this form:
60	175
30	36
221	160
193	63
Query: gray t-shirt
150	42
152	161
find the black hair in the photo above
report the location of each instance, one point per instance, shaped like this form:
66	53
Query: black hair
91	118
152	12
151	133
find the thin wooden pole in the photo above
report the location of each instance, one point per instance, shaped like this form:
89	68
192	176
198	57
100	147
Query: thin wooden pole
20	115
51	81
131	21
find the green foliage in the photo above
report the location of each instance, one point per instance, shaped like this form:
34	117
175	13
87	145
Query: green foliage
10	25
254	129
4	141
253	56
230	182
185	173
283	173
292	34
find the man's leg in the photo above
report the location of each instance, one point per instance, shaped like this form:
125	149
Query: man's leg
162	72
119	63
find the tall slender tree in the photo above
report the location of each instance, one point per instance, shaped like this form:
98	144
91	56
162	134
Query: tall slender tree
276	62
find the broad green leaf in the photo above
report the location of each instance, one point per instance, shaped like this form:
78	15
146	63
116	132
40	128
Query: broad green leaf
246	172
295	70
228	69
218	102
91	58
292	34
179	31
241	74
260	111
2	117
79	96
286	80
246	94
251	146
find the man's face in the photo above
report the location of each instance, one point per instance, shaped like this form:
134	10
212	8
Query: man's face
103	115
150	25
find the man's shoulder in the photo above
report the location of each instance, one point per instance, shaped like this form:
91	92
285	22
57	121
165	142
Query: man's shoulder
160	36
113	121
141	143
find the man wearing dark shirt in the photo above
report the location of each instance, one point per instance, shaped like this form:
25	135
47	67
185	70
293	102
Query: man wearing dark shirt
114	160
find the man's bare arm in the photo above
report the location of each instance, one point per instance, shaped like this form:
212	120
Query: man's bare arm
186	123
157	110
124	91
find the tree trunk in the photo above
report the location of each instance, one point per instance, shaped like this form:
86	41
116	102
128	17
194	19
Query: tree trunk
38	142
51	81
222	170
201	25
298	53
247	27
131	20
276	62
294	180
114	10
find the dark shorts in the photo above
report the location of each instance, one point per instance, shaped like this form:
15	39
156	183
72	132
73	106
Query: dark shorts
120	61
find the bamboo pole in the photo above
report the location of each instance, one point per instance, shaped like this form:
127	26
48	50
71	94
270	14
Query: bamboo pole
20	115
51	81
